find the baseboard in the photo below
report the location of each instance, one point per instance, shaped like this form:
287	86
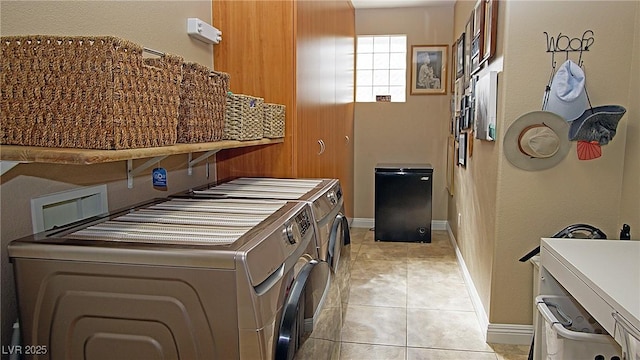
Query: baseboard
369	223
483	319
362	223
510	334
493	333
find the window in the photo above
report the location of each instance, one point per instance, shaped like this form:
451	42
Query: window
381	67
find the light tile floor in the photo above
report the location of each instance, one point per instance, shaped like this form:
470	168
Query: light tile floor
408	301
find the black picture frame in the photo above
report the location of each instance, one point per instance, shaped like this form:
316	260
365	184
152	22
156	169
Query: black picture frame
460	57
468	36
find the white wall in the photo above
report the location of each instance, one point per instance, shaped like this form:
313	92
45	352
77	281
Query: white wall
535	204
505	210
411	132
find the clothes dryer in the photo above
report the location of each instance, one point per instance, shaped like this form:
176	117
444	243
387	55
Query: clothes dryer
326	199
172	279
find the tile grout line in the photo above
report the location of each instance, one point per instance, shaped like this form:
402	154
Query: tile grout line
358	260
406	307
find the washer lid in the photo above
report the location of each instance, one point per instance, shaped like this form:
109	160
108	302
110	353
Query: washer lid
118	231
233	206
120	241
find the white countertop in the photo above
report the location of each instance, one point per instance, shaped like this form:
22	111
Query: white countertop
609	268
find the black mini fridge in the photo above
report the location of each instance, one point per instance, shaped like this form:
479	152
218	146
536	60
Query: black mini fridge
403	202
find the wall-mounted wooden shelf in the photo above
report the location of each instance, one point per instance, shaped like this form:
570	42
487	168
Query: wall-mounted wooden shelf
12	155
71	156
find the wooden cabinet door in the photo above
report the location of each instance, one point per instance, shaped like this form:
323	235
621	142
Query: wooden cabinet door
345	87
258	52
315	89
297	53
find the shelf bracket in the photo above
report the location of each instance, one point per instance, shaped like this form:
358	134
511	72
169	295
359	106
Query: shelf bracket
131	172
8	165
193	162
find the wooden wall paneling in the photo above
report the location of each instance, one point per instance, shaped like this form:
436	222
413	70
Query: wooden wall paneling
314	50
331	122
345	96
258	52
313	84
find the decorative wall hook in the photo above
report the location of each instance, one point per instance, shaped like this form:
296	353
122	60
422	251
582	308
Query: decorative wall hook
566	44
563	43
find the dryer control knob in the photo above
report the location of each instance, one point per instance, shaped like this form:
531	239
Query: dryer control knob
332	198
293	233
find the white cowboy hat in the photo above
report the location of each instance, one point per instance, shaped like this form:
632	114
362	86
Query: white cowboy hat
567	96
537	140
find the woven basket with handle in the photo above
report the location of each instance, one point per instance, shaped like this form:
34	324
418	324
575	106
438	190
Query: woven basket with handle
94	92
244	117
274	120
203	101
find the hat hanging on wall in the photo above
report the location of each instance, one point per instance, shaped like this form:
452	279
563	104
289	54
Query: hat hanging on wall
597	124
537	140
567	94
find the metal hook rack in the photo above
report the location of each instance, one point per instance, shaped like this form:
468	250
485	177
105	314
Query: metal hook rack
563	43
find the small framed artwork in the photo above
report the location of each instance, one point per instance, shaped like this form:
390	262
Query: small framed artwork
486	90
468	37
462	149
470	146
429	69
459	94
477	45
453	113
460	57
454	56
490	29
451	161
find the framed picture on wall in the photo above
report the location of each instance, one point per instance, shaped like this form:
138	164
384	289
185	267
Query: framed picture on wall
490	29
477	45
429	69
460	57
486	106
468	36
454	56
451	161
462	149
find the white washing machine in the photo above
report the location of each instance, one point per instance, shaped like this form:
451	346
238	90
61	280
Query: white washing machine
172	279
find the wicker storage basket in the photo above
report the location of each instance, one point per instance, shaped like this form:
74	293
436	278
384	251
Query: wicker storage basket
86	92
274	120
203	100
244	117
